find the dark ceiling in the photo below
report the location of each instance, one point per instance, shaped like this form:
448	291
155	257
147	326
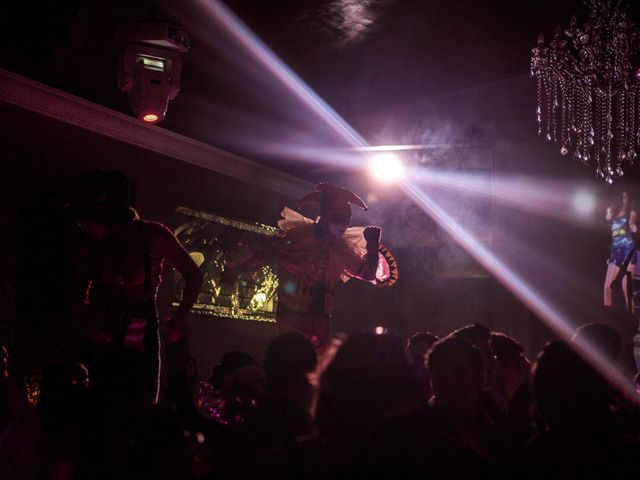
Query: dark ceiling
363	57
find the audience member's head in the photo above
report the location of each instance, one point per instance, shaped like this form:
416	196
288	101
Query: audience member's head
568	393
230	362
512	367
289	361
418	345
369	379
476	334
289	357
456	369
246	384
601	337
479	335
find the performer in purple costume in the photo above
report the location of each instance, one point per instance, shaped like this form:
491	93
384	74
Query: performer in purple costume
622	218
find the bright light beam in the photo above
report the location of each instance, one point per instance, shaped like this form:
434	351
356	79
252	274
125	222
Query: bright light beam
268	59
521	289
542	197
499	270
277	68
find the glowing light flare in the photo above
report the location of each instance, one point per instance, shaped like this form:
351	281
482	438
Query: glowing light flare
584	203
386	167
520	288
380	330
150	118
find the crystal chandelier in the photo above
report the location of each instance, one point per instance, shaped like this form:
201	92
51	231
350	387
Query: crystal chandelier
588	89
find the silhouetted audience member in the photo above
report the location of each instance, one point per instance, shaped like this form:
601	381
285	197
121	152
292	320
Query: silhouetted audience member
182	377
512	393
64	392
159	448
512	367
605	340
456	369
479	336
368	381
600	337
240	387
22	438
581	439
288	363
120	391
415	443
65	409
417	347
285	412
230	362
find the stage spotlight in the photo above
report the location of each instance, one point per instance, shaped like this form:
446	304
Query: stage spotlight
386	167
584	203
150	67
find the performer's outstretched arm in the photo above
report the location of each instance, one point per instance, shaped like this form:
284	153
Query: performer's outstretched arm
172	250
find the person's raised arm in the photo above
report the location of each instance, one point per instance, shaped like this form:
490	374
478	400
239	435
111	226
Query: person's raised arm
173	252
369	267
372	235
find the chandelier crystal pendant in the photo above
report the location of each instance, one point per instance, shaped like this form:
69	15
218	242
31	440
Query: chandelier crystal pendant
588	89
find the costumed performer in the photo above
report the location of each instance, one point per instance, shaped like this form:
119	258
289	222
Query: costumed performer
311	256
621	216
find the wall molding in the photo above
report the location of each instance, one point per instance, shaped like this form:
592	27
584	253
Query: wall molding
56	104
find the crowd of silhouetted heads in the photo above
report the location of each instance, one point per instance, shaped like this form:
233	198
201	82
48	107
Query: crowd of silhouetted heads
370	406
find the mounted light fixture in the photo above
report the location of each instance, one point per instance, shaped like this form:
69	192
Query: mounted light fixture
150	67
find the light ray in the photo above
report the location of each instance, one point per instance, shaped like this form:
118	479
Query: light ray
280	71
547	198
483	256
524	291
509	193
